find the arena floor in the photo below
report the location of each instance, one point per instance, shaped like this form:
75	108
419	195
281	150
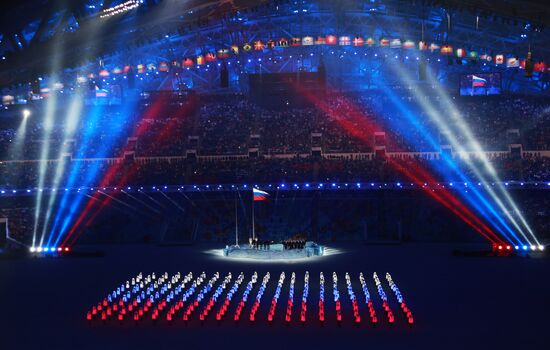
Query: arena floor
457	302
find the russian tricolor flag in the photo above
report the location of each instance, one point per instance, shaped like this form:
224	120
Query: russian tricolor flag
101	92
260	195
477	81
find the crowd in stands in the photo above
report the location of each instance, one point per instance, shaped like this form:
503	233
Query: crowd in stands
180	171
20	222
223	125
230	125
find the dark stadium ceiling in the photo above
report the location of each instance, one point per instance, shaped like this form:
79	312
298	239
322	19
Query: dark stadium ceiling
31	31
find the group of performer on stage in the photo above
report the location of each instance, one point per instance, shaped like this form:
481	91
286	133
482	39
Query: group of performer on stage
294	244
287	244
260	244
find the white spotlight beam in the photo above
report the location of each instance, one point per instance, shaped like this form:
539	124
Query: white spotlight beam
44	153
434	115
71	123
20	135
470	138
173	202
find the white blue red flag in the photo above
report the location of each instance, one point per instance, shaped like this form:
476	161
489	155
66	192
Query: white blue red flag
260	195
477	81
101	92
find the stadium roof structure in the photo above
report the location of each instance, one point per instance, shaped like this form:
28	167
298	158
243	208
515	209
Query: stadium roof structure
35	34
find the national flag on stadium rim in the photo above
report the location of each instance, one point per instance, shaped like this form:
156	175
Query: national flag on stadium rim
408	44
234	49
260	195
188	62
321	40
344	40
259	45
283	42
540	67
447	50
270	44
331	40
422	45
358	41
296	42
460	52
307	40
223	53
247	47
163	66
384	42
370	41
434	47
210	57
512	62
477	81
499	59
486	57
395	43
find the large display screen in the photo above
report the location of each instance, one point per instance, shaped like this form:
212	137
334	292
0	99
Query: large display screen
480	84
110	95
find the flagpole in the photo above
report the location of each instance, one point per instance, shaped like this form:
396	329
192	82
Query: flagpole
236	224
253	232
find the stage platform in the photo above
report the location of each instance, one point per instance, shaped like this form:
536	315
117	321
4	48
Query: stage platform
274	252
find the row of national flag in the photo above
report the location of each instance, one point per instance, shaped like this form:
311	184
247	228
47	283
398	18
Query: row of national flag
510	61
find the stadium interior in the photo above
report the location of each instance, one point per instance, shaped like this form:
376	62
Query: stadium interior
190	152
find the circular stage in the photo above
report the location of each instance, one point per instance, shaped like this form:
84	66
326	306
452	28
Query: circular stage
273	252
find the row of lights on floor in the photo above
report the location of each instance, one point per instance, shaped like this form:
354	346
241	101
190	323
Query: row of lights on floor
283	185
525	247
48	249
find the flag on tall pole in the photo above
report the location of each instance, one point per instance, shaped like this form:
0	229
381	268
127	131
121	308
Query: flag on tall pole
257	195
260	195
236	224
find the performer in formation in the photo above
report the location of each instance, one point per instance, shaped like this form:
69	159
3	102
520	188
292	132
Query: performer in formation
287	244
260	244
294	244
